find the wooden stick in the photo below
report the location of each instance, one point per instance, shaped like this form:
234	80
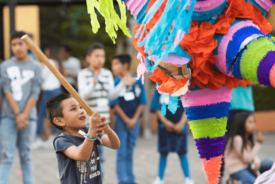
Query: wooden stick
36	50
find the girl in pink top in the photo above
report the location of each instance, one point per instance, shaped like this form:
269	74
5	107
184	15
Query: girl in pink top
241	160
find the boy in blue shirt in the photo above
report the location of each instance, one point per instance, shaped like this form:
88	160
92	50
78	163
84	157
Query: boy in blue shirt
128	108
76	147
172	135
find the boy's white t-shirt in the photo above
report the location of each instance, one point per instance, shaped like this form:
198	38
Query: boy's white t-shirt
97	96
50	82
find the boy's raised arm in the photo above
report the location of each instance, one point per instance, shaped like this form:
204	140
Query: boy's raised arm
84	152
111	139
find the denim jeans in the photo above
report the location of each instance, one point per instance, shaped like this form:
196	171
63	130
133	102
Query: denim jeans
246	176
124	161
10	138
0	135
42	110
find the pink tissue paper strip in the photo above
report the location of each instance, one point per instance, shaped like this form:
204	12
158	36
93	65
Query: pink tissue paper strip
272	76
204	6
172	59
179	36
135	6
141	69
206	97
221	57
265	4
267	177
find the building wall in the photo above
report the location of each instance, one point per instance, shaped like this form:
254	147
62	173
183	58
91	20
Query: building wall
26	19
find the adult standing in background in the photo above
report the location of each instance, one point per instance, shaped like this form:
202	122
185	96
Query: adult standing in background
71	66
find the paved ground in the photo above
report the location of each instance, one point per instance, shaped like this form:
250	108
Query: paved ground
145	164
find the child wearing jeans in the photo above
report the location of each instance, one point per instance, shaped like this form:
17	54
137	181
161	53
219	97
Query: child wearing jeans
21	82
172	136
76	147
240	156
128	108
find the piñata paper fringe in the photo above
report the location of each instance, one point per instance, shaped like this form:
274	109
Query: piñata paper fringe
211	127
212	169
112	20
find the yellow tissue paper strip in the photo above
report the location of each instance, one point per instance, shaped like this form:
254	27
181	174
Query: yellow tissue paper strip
112	20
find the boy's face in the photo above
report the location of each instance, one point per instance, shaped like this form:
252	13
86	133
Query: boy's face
19	48
63	54
74	117
118	67
96	59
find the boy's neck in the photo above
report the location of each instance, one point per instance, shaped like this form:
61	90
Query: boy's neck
95	70
23	59
125	73
73	132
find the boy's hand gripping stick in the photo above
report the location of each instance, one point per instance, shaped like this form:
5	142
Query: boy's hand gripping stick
36	50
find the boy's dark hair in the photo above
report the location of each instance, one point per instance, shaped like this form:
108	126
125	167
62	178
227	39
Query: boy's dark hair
94	46
123	59
238	128
54	108
67	48
17	34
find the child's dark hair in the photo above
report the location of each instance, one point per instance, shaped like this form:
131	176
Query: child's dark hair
238	128
54	108
123	59
94	46
17	34
67	48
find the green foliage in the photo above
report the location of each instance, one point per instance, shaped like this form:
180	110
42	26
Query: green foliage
264	98
71	25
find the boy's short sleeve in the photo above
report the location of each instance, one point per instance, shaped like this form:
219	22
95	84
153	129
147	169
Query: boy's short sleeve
5	80
155	106
62	143
112	103
143	96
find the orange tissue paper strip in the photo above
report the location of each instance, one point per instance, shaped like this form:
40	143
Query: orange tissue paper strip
135	42
212	169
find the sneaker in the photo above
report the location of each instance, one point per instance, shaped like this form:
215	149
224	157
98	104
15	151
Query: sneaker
158	181
38	143
188	181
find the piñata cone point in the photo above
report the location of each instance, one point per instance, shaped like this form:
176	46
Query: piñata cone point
212	169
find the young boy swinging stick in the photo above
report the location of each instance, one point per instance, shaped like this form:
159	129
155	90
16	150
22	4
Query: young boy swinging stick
76	146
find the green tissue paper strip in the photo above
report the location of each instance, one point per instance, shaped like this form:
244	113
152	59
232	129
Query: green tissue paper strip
253	55
112	20
210	127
